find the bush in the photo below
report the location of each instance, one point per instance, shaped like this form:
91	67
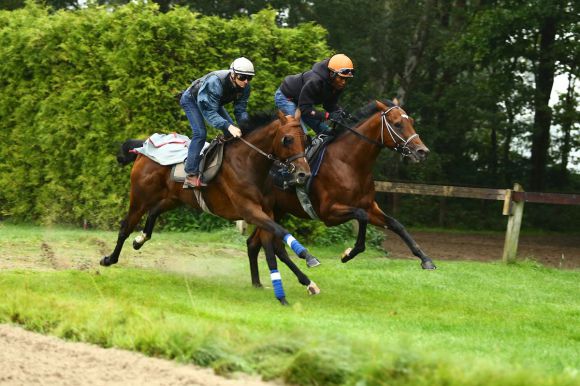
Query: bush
74	84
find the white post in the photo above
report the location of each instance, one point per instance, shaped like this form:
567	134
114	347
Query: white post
241	226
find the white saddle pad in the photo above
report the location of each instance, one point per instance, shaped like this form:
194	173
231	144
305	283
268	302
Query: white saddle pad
166	149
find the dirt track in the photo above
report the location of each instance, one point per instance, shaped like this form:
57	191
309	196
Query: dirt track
560	251
27	358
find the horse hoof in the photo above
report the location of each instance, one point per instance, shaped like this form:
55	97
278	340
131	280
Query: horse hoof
313	289
107	261
257	285
284	302
312	262
428	265
136	245
345	254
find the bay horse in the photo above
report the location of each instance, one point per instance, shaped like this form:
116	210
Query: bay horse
236	193
344	189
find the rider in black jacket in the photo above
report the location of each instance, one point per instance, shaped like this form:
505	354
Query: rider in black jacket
321	85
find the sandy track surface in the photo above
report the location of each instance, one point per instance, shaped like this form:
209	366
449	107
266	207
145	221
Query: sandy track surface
559	251
28	358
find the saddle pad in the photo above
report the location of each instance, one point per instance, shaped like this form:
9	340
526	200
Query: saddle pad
166	149
178	172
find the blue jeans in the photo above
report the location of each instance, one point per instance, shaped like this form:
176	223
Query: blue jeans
198	130
288	107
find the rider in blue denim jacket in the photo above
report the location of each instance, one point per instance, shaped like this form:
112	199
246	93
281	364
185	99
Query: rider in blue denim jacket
205	99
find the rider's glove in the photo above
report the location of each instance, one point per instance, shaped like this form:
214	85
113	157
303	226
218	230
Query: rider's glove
339	115
326	130
234	131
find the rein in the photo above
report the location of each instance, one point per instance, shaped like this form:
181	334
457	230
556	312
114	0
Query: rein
286	164
401	145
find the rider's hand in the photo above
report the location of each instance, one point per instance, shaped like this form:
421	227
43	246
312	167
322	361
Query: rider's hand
346	115
234	131
338	115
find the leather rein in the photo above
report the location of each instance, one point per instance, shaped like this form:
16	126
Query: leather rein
287	163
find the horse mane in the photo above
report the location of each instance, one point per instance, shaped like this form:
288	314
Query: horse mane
256	120
363	114
369	109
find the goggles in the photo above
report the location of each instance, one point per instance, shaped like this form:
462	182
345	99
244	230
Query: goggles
347	72
244	77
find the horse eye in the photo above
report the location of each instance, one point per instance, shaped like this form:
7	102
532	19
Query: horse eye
287	140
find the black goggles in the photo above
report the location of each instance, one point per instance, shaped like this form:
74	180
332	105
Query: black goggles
345	72
244	77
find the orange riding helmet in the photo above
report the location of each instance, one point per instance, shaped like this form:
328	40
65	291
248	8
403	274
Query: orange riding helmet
341	65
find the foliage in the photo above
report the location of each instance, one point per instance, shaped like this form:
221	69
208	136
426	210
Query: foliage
74	84
316	232
467	71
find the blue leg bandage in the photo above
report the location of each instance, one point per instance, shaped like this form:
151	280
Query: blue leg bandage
294	244
277	283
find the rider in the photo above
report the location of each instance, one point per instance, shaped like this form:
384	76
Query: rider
323	84
205	98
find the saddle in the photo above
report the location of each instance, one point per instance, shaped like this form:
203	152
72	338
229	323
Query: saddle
210	164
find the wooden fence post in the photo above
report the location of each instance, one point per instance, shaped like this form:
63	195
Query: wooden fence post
515	211
241	226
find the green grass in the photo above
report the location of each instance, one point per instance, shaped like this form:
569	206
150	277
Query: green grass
378	321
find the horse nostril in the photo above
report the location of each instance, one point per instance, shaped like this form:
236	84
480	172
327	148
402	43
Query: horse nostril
302	177
422	153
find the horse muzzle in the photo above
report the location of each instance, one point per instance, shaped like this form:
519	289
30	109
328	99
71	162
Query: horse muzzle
419	154
300	178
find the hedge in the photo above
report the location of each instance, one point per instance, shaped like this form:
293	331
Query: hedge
75	84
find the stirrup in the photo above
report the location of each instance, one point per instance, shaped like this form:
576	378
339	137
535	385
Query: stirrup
196	184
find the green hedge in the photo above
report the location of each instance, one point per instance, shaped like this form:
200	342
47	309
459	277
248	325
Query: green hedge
75	84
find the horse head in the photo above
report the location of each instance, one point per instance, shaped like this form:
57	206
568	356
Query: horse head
289	147
398	133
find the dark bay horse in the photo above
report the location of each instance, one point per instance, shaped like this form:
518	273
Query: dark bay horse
344	189
236	193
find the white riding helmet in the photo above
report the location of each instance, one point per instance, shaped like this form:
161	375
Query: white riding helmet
242	66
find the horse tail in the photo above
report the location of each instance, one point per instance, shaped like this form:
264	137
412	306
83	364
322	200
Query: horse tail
125	155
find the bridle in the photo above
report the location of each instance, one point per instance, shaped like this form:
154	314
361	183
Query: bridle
286	164
401	145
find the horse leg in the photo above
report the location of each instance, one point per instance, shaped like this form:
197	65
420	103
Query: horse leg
378	218
275	274
127	225
280	251
147	232
360	245
254	245
255	215
339	214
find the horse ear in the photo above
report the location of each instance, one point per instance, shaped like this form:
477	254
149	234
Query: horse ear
297	114
381	105
282	117
396	101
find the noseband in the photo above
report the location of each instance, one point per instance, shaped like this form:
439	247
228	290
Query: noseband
401	145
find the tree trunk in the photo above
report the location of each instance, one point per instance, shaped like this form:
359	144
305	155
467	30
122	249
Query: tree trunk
163	5
543	113
506	161
567	122
415	51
